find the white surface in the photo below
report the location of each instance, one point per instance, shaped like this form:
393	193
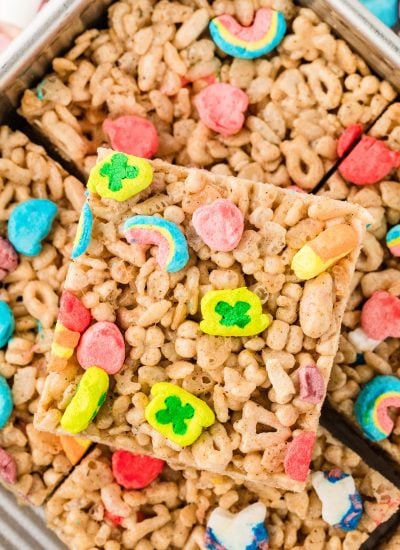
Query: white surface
23	528
18	12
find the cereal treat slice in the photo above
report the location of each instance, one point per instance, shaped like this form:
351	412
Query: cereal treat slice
366	379
393	543
167	345
157	82
200	510
39	210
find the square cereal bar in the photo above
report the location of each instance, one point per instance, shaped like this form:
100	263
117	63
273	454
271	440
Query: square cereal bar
393	543
153	60
369	348
32	463
259	392
91	509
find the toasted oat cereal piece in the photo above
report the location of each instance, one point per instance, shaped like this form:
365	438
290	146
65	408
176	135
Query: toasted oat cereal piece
91	510
33	463
158	62
188	394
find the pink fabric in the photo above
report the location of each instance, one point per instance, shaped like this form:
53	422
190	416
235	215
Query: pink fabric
256	31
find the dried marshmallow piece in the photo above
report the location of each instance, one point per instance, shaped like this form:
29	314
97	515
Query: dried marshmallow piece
341	502
246	529
372	406
266	32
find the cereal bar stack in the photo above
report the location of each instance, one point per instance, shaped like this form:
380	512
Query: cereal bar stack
92	510
161	344
368	354
32	463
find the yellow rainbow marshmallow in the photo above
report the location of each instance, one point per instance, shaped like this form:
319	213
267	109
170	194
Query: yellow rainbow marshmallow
266	32
172	253
318	255
74	447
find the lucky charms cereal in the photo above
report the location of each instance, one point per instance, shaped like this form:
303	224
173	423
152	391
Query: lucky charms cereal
7	323
157	61
235	312
214	341
245	529
133	135
97	507
266	32
8	258
341	502
367	348
172	252
83	233
373	404
32	463
6	402
393	240
30	222
219	224
120	177
221	108
135	471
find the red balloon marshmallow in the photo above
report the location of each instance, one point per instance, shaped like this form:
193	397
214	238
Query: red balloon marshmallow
73	314
8	258
133	135
369	162
221	108
298	456
102	345
219	224
312	386
134	471
380	316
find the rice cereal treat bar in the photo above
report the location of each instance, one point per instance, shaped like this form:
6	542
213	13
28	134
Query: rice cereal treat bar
193	78
366	380
97	508
393	543
201	314
32	188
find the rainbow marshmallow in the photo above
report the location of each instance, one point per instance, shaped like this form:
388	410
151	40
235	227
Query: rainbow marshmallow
266	32
372	404
83	232
172	252
393	240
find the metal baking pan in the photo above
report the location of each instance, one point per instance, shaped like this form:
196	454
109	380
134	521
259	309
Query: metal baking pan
28	58
26	62
374	41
